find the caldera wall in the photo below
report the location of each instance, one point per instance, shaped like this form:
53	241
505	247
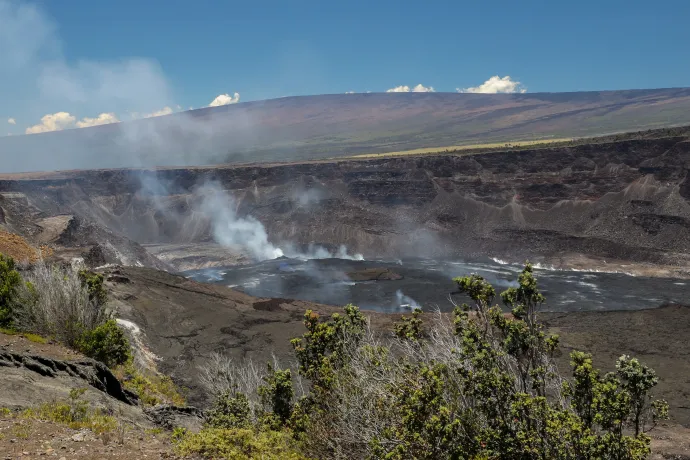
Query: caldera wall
621	200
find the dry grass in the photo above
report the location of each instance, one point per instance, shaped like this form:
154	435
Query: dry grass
43	433
152	388
35	338
455	148
19	248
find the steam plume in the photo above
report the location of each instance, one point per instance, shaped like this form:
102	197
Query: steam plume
405	301
231	230
319	252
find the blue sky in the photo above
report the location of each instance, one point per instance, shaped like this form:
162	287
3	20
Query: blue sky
132	58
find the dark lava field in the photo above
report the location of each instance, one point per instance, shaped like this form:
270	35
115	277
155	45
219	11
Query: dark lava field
397	286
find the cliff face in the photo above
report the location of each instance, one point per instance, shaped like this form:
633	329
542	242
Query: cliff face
621	200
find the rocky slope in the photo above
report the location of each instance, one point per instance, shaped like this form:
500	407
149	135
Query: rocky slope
33	373
624	201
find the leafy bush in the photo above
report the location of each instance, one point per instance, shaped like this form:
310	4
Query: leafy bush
323	348
10	283
277	395
478	384
94	286
410	327
229	411
106	343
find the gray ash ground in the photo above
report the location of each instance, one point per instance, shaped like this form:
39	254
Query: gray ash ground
428	284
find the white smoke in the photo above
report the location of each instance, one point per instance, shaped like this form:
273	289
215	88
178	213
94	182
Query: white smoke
308	197
229	229
218	207
314	251
404	301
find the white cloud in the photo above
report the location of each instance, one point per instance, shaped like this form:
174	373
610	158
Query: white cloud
225	99
158	113
53	122
167	110
399	89
349	92
423	89
11	121
406	89
495	85
102	119
64	120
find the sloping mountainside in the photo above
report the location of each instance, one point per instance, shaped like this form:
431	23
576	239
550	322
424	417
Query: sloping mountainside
311	127
625	201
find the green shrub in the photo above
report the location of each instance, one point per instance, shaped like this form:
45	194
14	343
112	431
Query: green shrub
106	343
10	282
229	411
94	285
322	349
410	328
276	394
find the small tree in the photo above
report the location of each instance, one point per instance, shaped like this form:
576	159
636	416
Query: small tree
410	328
10	283
229	411
94	286
277	394
321	350
106	343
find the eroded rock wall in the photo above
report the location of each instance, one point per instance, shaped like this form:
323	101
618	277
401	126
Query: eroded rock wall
624	200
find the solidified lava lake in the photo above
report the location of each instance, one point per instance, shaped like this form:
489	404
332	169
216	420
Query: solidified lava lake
428	284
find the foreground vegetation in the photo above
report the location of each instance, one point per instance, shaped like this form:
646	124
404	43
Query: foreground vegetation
64	304
479	385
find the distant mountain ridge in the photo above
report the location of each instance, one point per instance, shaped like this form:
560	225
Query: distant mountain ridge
312	127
